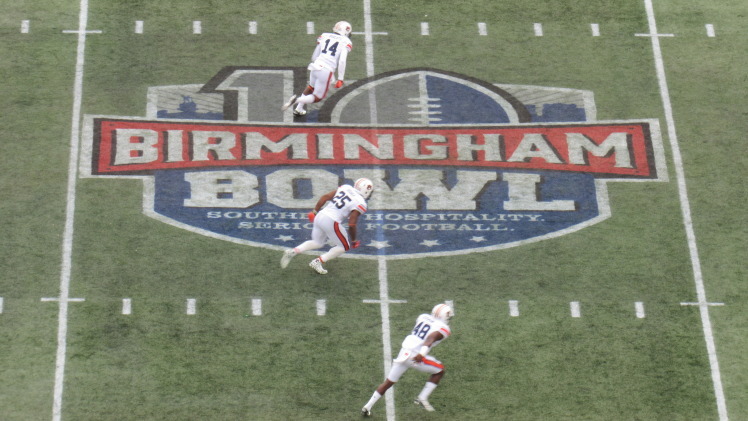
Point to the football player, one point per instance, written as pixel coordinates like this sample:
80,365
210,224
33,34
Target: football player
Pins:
346,202
428,332
331,53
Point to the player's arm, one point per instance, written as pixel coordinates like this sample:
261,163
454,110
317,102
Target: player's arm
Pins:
352,221
341,67
433,337
317,51
324,199
321,202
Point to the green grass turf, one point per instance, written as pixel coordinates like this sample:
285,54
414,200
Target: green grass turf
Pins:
159,363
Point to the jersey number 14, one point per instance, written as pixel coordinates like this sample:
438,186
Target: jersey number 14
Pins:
332,49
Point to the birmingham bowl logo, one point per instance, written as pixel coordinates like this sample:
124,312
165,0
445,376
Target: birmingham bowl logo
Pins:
459,165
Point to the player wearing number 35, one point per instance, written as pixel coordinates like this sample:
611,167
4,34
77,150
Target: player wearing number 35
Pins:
331,53
429,330
346,202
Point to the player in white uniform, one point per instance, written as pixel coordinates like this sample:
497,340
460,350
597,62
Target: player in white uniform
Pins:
429,331
331,53
346,202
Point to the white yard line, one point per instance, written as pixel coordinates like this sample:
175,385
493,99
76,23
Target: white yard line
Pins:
384,299
703,304
384,307
67,241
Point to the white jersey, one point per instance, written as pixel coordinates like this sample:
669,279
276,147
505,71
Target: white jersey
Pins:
346,200
331,52
425,325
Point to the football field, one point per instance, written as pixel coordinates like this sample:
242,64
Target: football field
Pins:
569,175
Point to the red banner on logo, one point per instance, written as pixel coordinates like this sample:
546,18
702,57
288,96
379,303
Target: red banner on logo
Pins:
136,146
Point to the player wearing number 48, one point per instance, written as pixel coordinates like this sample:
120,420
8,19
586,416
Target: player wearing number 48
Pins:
331,210
429,330
331,53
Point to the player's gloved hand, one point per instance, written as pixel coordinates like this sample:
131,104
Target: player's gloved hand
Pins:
311,215
356,244
339,84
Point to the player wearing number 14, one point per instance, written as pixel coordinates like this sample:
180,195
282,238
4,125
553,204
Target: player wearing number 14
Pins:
330,212
330,54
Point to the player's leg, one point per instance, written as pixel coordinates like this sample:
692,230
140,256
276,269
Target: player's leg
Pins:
293,100
319,238
339,235
324,228
320,83
394,375
436,368
332,253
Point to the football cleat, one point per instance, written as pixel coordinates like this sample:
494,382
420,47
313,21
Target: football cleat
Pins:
291,101
316,264
364,186
287,256
442,312
365,412
342,28
299,112
424,403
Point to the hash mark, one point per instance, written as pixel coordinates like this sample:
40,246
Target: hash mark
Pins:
126,306
482,29
191,306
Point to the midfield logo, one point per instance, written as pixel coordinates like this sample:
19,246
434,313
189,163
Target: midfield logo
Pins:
459,165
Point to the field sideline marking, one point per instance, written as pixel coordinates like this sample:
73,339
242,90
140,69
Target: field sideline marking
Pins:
67,240
703,304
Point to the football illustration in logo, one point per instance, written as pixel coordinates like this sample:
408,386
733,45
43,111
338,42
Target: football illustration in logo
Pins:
459,165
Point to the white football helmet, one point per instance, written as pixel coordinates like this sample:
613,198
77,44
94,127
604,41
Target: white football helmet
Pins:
364,186
342,28
442,312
